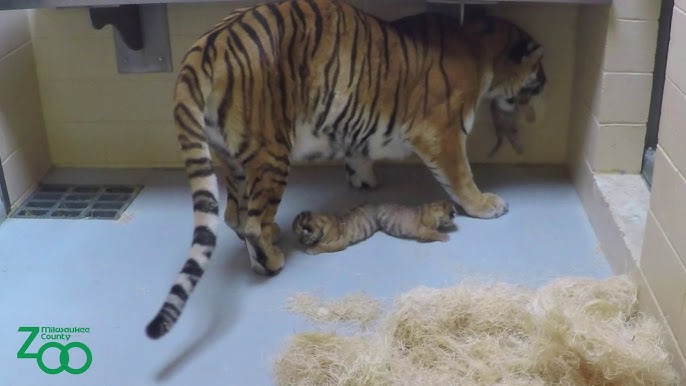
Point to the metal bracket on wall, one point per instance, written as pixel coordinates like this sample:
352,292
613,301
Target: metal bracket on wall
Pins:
450,8
141,38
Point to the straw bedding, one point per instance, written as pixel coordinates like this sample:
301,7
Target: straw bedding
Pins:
357,308
573,331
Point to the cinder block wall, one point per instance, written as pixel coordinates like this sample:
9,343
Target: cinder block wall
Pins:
23,144
613,82
663,260
613,78
97,117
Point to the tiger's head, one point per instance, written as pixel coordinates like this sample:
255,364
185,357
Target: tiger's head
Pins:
311,227
439,215
516,58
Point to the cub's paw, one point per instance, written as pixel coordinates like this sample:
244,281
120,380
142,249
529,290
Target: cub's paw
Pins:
314,250
442,237
488,205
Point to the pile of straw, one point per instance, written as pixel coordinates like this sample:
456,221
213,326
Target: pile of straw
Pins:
570,332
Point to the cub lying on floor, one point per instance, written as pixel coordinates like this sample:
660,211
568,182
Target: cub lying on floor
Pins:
325,232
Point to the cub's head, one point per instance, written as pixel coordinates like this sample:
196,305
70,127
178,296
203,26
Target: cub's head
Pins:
310,227
517,68
439,215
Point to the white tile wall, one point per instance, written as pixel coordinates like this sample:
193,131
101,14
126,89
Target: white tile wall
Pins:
672,135
618,148
610,137
630,45
664,271
664,253
636,9
24,167
23,147
668,190
14,31
676,59
624,98
681,4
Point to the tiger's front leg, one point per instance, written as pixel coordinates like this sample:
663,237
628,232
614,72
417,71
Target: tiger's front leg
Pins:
360,173
441,145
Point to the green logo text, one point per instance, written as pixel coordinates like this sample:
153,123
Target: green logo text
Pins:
52,334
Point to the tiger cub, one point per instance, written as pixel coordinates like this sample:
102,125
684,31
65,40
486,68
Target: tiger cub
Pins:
319,80
505,113
325,232
505,117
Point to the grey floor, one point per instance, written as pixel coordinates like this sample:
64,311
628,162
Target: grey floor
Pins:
112,276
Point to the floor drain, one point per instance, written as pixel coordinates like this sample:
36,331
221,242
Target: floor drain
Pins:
101,202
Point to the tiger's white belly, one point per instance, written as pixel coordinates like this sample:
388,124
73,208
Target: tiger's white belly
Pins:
307,147
397,148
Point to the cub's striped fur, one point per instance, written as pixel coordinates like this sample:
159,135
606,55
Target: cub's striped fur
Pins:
326,232
319,79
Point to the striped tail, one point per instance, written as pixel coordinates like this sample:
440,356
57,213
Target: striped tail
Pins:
189,120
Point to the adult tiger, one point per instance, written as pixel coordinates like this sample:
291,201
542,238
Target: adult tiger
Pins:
320,79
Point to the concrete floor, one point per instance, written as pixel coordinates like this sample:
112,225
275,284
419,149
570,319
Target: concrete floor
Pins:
112,276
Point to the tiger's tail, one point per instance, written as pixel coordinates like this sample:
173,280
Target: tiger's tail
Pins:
192,88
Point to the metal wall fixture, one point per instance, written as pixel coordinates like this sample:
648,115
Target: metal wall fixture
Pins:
141,36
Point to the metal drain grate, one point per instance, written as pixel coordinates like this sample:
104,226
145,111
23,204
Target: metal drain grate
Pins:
100,202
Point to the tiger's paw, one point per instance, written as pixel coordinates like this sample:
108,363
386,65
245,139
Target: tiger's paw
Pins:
361,174
276,233
265,262
488,205
366,179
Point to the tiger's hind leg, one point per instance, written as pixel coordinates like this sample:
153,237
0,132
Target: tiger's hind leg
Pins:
266,181
360,173
236,202
237,205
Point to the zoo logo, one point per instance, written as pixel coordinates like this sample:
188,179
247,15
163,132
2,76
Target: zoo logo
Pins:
64,350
